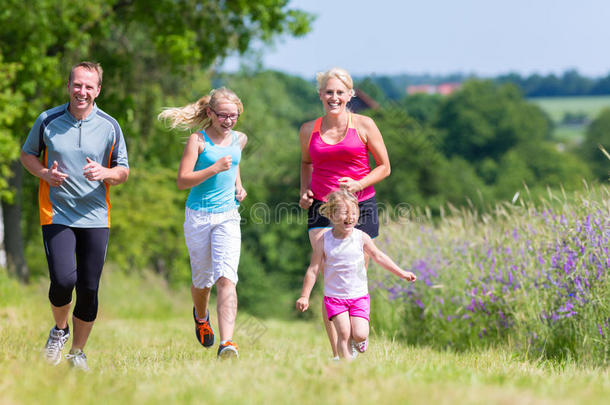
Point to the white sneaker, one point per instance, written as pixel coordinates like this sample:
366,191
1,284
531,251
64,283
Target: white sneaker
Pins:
55,344
77,359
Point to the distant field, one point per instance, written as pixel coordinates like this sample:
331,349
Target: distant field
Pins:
572,135
556,107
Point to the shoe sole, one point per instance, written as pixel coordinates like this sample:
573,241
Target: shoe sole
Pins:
84,369
51,361
228,354
78,364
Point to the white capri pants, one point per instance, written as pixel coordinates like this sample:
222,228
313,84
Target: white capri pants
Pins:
214,242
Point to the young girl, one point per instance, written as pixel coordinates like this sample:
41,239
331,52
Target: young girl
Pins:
341,251
210,168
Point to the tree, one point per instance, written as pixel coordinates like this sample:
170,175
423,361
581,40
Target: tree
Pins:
538,165
413,155
11,105
391,90
597,134
601,86
573,84
504,137
147,49
421,175
422,107
372,89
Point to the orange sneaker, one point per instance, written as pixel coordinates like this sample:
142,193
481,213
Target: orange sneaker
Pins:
228,350
203,330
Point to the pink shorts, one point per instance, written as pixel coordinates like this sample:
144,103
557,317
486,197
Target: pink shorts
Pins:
360,307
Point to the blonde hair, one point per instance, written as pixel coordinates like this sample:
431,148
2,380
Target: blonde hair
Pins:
334,199
194,115
337,73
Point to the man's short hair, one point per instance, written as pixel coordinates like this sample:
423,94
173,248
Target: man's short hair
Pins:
95,67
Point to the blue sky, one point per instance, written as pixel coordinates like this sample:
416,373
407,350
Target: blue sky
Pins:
484,37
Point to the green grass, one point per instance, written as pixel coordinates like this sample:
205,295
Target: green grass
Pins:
142,350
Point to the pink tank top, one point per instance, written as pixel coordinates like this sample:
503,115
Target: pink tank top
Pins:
347,158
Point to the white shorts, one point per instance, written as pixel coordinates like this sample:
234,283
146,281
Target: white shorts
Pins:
214,242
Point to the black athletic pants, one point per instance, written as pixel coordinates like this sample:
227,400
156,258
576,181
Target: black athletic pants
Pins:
76,257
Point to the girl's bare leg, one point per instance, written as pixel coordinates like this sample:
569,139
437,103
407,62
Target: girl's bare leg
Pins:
314,234
343,327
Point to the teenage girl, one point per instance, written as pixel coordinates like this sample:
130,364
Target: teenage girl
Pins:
210,168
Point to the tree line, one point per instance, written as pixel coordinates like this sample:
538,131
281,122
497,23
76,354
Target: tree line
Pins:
569,83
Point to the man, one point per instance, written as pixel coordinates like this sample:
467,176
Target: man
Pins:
83,153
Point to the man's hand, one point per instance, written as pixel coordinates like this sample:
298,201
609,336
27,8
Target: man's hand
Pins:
54,177
94,171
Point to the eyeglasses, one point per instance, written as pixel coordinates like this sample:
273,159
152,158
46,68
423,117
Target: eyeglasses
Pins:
224,117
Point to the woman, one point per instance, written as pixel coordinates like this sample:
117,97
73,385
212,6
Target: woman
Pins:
210,168
335,154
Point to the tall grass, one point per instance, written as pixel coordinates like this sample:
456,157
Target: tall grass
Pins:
532,276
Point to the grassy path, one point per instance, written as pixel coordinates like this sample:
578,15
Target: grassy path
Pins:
143,351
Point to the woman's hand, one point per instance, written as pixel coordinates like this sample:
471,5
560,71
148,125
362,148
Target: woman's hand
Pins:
349,184
306,199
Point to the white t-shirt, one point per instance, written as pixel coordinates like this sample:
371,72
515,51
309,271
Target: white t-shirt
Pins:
344,271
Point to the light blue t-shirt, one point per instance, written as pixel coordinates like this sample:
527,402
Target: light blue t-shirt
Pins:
58,136
216,194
